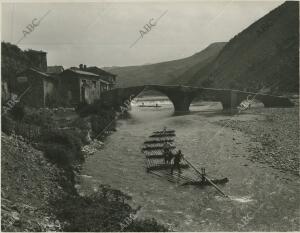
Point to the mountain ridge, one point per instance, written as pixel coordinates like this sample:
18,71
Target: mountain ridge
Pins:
263,55
163,72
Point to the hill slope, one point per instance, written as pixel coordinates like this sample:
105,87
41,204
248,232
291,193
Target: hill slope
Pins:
165,72
264,54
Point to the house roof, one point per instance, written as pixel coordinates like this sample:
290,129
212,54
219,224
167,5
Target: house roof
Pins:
99,71
55,69
40,72
35,71
86,73
81,72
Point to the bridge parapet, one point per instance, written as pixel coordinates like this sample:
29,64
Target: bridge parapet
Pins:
182,96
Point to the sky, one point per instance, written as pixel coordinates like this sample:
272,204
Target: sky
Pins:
109,33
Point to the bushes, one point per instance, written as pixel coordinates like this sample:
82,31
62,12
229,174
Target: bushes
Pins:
58,154
105,210
97,108
40,118
145,225
61,147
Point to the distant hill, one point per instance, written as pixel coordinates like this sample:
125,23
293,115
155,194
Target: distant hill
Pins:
264,54
164,72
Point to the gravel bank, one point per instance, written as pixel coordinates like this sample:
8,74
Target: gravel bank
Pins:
277,132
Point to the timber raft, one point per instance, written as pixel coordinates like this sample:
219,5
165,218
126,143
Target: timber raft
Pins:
153,150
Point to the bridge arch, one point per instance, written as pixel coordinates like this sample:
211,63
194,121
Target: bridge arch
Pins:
182,96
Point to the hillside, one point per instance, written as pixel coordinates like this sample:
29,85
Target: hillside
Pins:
164,72
264,54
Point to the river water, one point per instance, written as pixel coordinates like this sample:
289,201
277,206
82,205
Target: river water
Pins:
261,198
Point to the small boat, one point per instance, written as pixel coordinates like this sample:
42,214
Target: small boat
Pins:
149,106
205,182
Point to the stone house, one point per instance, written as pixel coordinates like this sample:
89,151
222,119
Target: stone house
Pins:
79,86
42,87
106,76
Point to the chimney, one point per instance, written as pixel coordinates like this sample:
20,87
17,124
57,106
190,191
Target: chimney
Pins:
81,67
84,67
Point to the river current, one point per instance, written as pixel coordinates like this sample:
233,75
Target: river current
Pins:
261,198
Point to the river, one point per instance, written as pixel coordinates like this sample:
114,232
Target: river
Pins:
261,198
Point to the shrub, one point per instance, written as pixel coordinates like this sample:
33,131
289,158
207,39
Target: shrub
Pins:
58,154
94,213
41,118
70,140
145,225
104,210
97,108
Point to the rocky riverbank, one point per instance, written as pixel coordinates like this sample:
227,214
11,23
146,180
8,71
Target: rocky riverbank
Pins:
277,131
29,181
39,176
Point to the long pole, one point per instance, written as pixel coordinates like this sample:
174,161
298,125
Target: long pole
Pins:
212,183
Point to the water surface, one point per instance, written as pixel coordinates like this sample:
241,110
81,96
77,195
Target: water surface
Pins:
261,198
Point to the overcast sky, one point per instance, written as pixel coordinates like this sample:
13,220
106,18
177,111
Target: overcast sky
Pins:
101,33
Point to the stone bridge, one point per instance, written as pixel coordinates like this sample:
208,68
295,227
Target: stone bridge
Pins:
182,96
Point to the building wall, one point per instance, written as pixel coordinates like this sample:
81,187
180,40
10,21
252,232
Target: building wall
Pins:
89,90
35,96
70,90
49,89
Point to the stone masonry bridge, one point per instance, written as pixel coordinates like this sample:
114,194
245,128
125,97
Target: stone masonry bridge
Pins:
182,96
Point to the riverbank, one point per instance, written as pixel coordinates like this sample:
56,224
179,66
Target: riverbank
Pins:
39,175
277,132
28,181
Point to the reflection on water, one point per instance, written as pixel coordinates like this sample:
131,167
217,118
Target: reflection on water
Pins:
255,190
